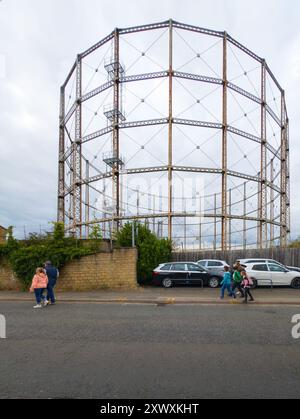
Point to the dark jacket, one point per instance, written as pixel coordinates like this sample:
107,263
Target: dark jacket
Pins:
51,272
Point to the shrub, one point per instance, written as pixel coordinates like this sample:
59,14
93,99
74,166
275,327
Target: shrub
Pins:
151,250
25,257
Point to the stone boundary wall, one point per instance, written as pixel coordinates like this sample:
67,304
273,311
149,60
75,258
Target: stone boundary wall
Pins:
106,270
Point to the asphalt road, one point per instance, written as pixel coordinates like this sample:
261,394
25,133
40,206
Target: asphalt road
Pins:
148,351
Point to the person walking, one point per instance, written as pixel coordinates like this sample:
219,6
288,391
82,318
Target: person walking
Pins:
247,285
38,285
53,274
226,284
237,281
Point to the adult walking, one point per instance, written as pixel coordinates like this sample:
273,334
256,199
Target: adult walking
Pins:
247,285
38,285
226,284
237,281
52,274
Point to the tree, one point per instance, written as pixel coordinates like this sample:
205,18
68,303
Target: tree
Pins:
151,250
295,243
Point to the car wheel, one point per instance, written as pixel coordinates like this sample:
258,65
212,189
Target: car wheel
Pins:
213,282
254,284
167,283
296,283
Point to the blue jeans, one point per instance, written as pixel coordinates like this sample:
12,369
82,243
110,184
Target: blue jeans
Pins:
39,295
50,290
228,287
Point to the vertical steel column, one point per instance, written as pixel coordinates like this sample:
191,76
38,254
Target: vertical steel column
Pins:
224,148
61,161
263,161
283,180
200,222
215,222
245,215
77,157
230,220
288,191
115,122
87,199
272,203
153,221
170,134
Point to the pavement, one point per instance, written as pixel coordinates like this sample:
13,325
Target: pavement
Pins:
157,295
127,351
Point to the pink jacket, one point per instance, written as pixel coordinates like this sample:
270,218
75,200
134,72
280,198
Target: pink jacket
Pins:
39,281
246,282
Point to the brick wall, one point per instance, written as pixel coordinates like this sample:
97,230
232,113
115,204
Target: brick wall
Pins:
116,269
3,233
101,271
8,280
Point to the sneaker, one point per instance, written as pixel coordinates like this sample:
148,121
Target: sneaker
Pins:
38,306
45,303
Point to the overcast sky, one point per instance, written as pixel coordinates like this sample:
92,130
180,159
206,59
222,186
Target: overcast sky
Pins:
38,44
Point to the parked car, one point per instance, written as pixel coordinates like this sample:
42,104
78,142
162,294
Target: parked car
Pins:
186,273
246,262
216,266
271,273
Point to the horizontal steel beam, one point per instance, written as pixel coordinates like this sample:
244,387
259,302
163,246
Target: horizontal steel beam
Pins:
244,93
195,123
98,45
145,123
142,28
196,77
193,28
175,215
244,49
97,134
273,115
69,114
251,137
97,91
70,75
274,79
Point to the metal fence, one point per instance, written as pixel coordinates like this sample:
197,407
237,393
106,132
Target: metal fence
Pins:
287,256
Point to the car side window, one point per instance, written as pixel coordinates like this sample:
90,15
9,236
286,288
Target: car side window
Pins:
178,267
202,263
276,268
166,267
260,268
194,268
212,263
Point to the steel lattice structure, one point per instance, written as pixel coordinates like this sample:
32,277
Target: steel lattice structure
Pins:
249,137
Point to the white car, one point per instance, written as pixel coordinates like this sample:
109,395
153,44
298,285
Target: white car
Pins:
250,261
212,265
272,274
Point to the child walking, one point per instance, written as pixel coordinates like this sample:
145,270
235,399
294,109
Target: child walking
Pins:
226,284
247,284
39,284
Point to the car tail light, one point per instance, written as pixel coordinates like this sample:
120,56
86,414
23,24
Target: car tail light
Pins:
154,273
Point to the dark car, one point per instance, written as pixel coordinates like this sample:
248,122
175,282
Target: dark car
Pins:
184,273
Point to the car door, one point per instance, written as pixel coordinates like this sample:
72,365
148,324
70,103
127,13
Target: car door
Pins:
262,274
196,274
280,275
215,267
179,273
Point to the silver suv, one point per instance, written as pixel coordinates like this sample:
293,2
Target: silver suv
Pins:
212,265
